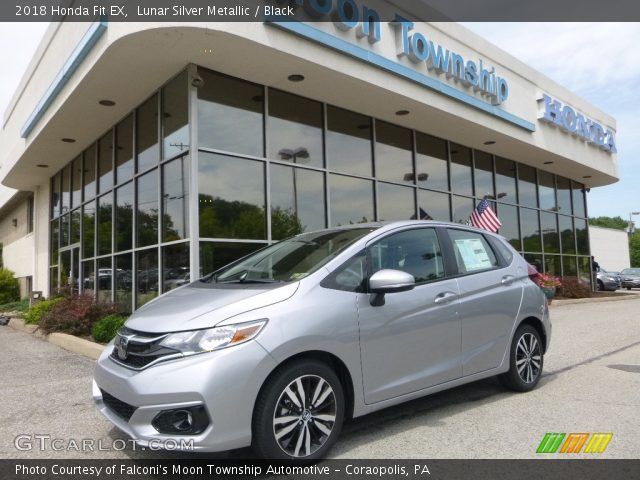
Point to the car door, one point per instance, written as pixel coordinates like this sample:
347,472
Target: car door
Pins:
412,340
491,291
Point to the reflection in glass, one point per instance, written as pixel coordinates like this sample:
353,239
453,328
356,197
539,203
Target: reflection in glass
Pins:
76,182
527,186
564,195
433,206
216,255
535,260
175,200
394,146
55,241
88,229
579,209
124,150
64,230
88,277
123,282
105,206
351,200
66,189
584,269
462,208
567,234
461,177
147,149
175,259
395,202
124,217
431,162
65,268
569,266
530,225
483,174
89,159
105,162
297,201
553,265
508,215
294,129
582,238
547,191
104,278
506,179
56,196
175,116
53,279
231,197
230,114
550,237
147,276
147,214
349,142
75,226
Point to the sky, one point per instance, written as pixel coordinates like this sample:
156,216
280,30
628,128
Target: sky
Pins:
598,61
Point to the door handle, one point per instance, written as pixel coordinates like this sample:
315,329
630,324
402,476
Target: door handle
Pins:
507,280
445,297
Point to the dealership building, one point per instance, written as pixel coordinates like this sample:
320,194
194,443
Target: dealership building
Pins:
145,153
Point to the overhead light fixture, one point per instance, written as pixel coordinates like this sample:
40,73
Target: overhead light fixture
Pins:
548,163
107,103
402,113
296,77
490,142
68,140
42,165
587,176
14,222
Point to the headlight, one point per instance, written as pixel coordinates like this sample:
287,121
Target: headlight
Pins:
610,278
200,341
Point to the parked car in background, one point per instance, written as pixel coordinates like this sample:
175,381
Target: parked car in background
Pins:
610,281
277,349
630,278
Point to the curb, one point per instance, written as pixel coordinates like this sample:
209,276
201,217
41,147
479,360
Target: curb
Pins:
594,300
73,344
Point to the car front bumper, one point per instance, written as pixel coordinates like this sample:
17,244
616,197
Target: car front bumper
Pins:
225,382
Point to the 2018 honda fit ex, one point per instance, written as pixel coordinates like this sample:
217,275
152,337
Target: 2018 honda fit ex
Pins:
278,348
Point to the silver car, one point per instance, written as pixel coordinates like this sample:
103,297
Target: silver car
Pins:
278,349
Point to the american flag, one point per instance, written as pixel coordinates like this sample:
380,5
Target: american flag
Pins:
483,217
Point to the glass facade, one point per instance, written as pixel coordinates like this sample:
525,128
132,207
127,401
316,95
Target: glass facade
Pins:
268,165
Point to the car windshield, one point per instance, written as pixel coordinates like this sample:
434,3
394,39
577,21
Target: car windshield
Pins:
631,271
289,260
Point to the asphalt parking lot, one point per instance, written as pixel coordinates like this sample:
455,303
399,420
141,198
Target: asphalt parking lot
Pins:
591,384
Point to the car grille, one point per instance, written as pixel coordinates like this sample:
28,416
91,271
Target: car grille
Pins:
120,408
140,350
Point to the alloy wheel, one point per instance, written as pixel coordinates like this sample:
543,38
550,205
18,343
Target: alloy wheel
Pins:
528,358
304,416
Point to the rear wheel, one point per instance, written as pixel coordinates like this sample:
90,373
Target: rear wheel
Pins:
600,286
525,359
299,412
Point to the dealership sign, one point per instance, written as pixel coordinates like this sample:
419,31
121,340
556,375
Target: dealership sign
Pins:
414,45
569,120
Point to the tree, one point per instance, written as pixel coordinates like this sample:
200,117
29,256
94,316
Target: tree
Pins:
617,223
634,249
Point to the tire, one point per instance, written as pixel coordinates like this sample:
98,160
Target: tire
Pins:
600,286
628,288
284,428
525,369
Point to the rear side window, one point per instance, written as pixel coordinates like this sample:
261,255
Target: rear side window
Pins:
413,251
472,251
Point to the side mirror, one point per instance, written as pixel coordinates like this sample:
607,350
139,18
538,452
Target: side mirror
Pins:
391,281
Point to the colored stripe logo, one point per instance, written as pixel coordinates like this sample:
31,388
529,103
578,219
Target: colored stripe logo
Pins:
553,442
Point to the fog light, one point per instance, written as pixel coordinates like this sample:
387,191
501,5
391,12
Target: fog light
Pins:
182,421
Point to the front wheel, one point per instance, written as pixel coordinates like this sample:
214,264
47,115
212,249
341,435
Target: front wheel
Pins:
299,412
525,359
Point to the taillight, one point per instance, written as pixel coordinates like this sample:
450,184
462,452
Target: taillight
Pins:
532,272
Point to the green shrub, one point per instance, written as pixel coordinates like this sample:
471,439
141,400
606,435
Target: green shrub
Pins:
75,315
20,306
34,314
9,287
106,328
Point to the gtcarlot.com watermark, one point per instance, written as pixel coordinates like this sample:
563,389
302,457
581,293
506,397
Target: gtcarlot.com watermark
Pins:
43,442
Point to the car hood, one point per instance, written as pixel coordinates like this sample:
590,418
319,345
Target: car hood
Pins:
201,305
